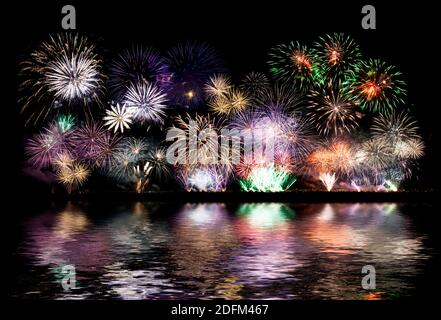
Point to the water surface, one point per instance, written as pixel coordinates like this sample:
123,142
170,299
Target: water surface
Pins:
230,251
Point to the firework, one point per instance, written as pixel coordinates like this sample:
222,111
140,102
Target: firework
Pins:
271,128
203,178
276,124
148,103
332,112
255,84
328,180
89,140
106,156
336,158
119,117
42,149
375,154
63,160
293,63
217,86
267,179
134,153
138,148
393,177
377,86
73,175
137,65
65,122
142,176
191,64
336,54
394,127
198,140
232,102
161,169
63,71
400,131
290,131
412,148
131,153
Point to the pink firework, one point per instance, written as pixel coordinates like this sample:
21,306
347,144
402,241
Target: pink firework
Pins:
43,148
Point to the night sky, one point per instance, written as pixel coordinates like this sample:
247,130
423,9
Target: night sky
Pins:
244,33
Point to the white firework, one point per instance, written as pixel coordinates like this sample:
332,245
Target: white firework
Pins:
148,102
217,86
328,180
72,77
119,117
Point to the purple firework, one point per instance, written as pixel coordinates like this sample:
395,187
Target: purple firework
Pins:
136,65
44,147
191,64
89,140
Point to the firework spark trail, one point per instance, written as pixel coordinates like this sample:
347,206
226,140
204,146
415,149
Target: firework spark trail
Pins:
43,148
147,102
336,54
209,178
255,84
308,123
230,103
332,112
294,63
73,176
142,176
377,86
217,86
118,117
89,140
199,139
63,71
137,65
328,180
267,179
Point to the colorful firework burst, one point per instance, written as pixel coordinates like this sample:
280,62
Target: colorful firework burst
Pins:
43,148
336,54
137,65
332,112
65,122
89,139
202,178
191,64
294,63
334,156
148,103
119,117
377,86
267,179
290,132
65,70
